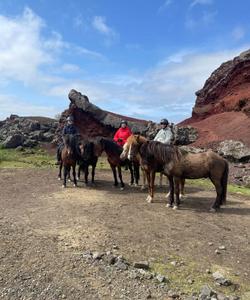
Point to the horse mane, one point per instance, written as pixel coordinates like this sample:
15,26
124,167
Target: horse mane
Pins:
136,139
70,141
111,146
163,153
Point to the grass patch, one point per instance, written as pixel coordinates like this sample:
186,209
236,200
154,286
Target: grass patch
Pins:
206,183
179,277
28,158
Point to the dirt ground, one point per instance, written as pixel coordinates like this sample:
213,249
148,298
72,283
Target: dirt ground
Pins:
45,230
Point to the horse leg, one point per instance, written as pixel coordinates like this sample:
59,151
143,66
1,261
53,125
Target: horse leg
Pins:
131,169
151,186
114,174
177,192
182,184
74,174
60,172
171,191
143,179
217,202
136,173
79,172
65,173
160,180
86,173
93,173
120,176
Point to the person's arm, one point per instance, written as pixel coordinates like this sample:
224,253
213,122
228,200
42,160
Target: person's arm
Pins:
116,136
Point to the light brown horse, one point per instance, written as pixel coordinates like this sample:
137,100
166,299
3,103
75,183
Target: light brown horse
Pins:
177,165
126,153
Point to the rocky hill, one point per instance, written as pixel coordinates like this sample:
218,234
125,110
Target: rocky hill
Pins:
222,107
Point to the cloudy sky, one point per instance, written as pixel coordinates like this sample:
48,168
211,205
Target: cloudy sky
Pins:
139,58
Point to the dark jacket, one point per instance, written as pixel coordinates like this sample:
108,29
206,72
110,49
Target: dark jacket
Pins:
69,129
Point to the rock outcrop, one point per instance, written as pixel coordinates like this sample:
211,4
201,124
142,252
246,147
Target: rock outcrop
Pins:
222,107
26,131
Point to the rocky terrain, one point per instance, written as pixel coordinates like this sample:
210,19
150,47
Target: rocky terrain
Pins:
18,131
222,107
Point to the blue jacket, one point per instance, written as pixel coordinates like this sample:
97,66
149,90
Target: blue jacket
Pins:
69,129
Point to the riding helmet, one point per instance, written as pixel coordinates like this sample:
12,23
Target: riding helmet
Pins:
124,122
164,121
70,119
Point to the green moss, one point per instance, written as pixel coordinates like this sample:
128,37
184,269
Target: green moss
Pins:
29,158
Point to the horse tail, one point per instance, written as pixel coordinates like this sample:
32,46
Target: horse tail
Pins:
224,180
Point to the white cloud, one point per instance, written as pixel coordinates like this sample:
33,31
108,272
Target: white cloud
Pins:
24,51
200,2
99,24
70,68
167,90
164,5
10,104
238,33
206,19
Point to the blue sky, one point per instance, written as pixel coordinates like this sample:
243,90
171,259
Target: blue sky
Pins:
144,59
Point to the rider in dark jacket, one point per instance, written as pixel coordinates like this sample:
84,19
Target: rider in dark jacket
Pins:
69,128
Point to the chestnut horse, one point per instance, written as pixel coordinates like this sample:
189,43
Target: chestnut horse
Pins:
126,153
177,165
113,152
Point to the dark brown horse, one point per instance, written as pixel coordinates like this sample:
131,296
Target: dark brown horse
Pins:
87,158
178,164
69,157
113,152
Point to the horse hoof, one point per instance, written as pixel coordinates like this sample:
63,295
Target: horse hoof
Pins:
63,186
59,178
130,184
69,180
212,210
182,196
77,178
143,188
149,199
175,207
122,188
74,185
168,205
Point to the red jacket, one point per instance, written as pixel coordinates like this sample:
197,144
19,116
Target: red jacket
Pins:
122,135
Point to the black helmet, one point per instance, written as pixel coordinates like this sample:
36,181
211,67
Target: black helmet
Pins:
70,119
164,121
124,122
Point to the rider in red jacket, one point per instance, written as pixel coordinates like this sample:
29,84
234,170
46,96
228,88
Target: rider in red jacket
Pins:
122,133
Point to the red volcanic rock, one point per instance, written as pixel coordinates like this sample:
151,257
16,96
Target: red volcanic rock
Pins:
222,107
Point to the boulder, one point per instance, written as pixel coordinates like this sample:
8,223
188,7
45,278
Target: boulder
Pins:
186,135
234,151
13,141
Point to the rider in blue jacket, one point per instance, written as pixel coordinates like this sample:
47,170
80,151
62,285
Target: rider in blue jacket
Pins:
69,128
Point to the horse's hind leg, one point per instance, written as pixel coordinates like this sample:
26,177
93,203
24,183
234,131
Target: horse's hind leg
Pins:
120,176
114,174
93,173
74,175
79,172
86,174
151,185
60,172
217,202
177,192
171,191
